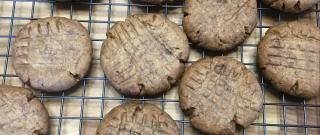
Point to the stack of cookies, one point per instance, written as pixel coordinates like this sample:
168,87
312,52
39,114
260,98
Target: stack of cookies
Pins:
145,55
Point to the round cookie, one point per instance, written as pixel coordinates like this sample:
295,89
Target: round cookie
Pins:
291,6
21,113
52,54
218,93
156,1
135,119
289,56
219,25
144,55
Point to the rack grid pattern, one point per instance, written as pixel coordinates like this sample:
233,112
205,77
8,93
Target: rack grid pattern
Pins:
110,5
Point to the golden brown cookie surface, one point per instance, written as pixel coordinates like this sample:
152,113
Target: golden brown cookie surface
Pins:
136,119
52,54
21,113
144,55
289,56
291,6
219,25
218,93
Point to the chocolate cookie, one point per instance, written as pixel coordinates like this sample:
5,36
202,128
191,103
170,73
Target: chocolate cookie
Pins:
289,56
291,6
144,55
156,1
219,25
52,54
218,93
21,113
135,119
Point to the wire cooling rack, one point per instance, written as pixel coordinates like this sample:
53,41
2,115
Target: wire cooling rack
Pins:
80,110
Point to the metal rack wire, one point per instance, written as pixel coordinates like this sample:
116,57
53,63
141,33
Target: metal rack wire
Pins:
110,4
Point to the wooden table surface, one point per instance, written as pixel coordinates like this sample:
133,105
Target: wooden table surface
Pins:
79,110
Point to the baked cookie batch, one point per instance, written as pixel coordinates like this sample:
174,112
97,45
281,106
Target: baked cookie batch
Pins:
145,55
